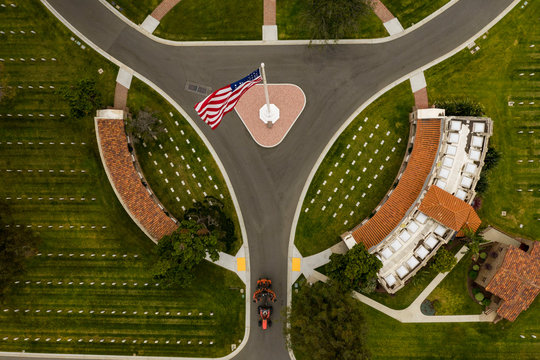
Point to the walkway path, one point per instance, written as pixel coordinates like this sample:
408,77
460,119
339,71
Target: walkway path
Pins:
123,83
152,21
390,22
412,313
269,30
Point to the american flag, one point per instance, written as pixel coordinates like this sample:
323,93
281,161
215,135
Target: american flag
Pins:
217,104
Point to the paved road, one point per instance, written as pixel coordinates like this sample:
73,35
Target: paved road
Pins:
336,81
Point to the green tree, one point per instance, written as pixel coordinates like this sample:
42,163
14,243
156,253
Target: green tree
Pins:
209,212
354,269
443,261
325,323
474,240
144,125
179,253
334,19
83,98
17,245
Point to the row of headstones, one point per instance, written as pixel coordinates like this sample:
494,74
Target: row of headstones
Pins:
78,42
83,254
91,283
42,170
187,166
347,172
24,59
2,32
91,340
48,198
529,132
41,143
529,190
529,161
105,312
30,87
530,74
93,227
512,103
6,5
32,115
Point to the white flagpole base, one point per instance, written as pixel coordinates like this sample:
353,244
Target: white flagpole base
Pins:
269,117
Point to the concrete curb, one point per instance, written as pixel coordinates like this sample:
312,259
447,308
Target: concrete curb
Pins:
273,42
216,158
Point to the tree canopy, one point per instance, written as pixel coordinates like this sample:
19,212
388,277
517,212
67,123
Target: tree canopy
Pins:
17,244
179,253
443,261
326,323
356,268
210,213
144,125
83,98
334,19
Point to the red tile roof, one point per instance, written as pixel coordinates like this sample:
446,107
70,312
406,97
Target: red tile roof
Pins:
517,281
392,212
449,210
127,184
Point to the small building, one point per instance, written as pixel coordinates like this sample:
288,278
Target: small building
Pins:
429,202
513,275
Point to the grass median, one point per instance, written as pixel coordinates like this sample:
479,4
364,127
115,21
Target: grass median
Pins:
90,289
356,173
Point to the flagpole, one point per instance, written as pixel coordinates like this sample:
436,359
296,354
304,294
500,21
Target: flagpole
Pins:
265,90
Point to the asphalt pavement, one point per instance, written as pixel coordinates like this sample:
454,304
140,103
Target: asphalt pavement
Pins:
336,79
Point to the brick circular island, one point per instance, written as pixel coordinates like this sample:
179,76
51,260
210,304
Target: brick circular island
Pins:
290,100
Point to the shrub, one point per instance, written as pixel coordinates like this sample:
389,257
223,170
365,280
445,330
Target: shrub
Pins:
443,261
475,291
476,267
460,107
83,98
486,302
483,255
479,296
492,158
355,268
473,274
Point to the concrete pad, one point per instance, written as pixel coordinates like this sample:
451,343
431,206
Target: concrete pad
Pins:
393,26
418,82
296,264
124,78
150,24
290,100
269,32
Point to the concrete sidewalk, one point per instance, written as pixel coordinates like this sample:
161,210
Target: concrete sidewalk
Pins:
412,313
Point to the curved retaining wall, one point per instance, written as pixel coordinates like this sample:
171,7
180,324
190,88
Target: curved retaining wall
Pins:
126,182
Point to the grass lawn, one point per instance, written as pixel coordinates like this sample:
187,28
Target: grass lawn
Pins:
452,292
506,68
137,10
93,272
356,173
290,18
387,338
215,20
405,296
410,12
193,174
